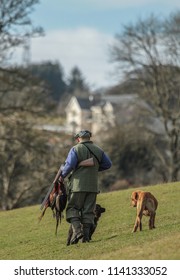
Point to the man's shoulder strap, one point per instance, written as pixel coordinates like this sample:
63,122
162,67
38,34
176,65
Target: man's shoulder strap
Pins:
91,152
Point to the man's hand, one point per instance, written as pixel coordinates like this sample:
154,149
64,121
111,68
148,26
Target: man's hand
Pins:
61,179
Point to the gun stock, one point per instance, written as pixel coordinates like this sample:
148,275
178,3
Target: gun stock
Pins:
87,162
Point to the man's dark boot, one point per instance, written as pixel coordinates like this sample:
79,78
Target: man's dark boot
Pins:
77,230
86,233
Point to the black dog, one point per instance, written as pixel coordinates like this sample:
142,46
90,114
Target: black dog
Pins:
98,211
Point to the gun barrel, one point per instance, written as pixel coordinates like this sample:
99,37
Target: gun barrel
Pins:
46,197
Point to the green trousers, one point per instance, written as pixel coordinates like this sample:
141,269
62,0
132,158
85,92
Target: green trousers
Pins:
81,205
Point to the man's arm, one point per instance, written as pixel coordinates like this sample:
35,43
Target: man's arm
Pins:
105,162
70,163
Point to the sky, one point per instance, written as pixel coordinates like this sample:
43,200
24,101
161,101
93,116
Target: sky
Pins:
81,32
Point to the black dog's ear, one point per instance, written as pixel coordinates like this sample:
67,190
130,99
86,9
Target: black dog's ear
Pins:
99,209
98,206
103,209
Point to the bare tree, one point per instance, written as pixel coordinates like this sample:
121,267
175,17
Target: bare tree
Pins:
149,52
15,25
23,150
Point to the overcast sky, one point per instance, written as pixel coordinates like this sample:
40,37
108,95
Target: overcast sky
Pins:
79,32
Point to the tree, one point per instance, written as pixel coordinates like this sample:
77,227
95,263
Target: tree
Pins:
24,151
53,76
130,149
15,25
149,53
76,81
21,146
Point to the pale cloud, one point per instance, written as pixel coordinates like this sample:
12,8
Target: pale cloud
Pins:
84,47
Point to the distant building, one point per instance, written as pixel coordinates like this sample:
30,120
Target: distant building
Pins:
78,114
99,114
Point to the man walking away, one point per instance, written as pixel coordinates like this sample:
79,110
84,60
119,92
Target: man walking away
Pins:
83,163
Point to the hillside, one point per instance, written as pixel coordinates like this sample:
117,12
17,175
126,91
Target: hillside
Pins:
22,237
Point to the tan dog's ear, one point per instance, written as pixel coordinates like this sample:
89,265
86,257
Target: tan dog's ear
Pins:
134,195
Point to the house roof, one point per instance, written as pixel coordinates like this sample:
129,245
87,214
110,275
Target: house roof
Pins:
84,103
115,100
120,99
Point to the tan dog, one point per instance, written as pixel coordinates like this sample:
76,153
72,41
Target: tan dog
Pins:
146,205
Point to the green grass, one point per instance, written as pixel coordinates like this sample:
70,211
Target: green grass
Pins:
22,237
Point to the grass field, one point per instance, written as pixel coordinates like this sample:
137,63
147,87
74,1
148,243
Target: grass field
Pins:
22,237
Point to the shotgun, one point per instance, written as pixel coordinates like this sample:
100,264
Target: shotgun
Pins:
51,187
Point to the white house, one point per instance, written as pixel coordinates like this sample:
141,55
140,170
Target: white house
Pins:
78,114
100,115
96,114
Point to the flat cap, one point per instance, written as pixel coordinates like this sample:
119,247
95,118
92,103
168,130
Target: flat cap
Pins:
83,134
